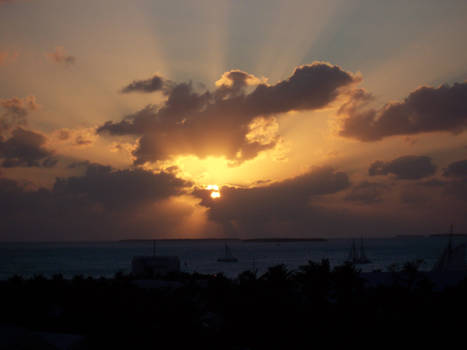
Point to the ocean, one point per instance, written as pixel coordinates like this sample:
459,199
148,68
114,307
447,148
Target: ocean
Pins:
105,259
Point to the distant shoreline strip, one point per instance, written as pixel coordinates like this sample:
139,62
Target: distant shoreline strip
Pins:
251,240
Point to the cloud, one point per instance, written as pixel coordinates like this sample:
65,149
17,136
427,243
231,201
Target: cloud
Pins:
234,83
116,188
217,123
456,169
426,109
457,188
15,111
156,83
82,141
9,1
457,173
286,205
63,134
405,168
20,147
7,57
103,203
453,186
367,192
60,56
25,148
74,137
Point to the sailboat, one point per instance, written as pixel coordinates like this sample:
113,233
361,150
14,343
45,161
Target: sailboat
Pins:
228,257
452,258
363,258
357,257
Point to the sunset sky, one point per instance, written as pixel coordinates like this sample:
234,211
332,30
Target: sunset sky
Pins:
189,119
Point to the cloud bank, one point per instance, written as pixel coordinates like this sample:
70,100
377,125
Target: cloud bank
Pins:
456,172
103,203
367,192
156,83
426,109
405,168
456,169
218,123
287,207
16,111
25,148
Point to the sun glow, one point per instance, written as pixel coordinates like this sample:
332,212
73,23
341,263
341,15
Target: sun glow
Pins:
215,194
215,191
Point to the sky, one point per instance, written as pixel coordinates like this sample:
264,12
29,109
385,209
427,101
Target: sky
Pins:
240,119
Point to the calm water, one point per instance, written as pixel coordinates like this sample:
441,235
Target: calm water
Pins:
106,258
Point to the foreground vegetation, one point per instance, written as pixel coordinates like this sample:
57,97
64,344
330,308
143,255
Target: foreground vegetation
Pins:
279,309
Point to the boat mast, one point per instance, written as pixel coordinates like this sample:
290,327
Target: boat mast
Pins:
363,255
450,250
353,253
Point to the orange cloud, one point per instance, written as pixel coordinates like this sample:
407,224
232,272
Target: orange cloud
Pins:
7,57
74,137
15,111
239,78
231,121
60,56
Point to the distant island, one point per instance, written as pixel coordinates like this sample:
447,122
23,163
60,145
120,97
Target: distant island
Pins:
409,236
253,240
449,234
177,240
284,240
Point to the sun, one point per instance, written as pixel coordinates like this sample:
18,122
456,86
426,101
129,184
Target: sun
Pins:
215,191
215,194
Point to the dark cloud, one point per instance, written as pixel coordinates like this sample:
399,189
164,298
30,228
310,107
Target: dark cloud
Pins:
456,169
286,205
456,172
318,204
25,148
432,183
64,134
406,167
457,188
75,137
15,111
103,203
117,188
234,82
453,186
79,164
426,109
367,192
81,140
60,56
218,123
156,83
